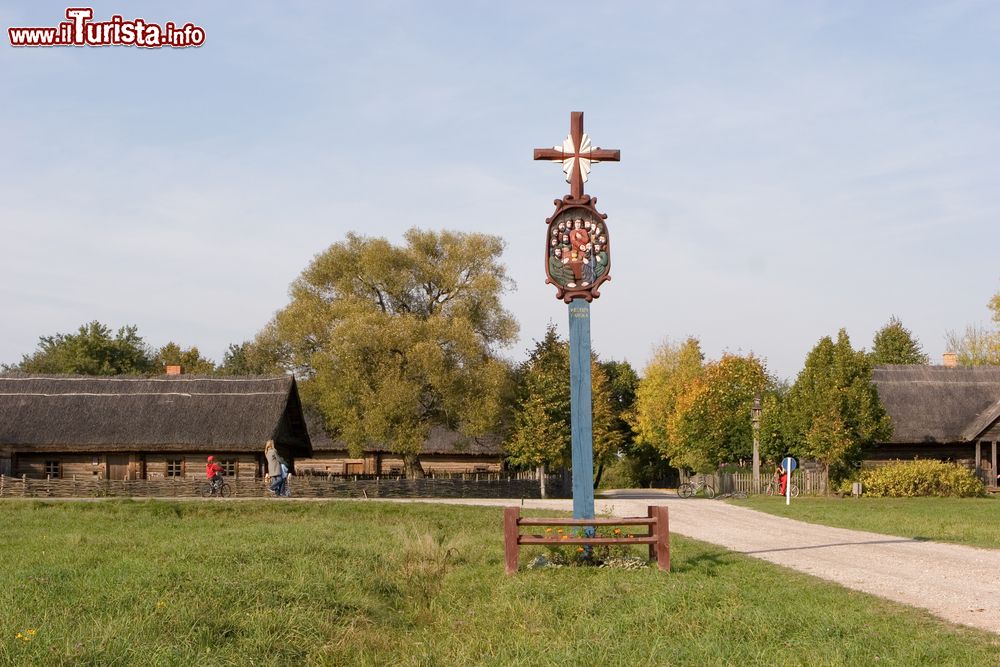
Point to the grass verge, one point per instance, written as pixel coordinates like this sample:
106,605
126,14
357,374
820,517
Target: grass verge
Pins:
971,521
353,583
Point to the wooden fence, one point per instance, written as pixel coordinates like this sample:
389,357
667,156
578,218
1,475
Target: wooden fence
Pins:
809,481
305,486
657,537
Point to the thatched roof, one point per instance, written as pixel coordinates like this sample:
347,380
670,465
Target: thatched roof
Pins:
440,441
169,413
937,403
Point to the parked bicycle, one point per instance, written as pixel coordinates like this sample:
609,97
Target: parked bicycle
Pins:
689,490
736,495
220,489
774,489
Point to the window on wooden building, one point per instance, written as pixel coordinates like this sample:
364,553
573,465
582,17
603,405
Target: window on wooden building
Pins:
175,468
52,469
228,467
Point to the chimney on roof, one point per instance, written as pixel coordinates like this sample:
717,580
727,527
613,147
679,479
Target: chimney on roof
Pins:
949,360
174,369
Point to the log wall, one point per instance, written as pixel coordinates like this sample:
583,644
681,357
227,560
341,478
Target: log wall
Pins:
140,466
339,463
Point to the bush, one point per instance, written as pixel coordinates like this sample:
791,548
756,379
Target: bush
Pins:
907,479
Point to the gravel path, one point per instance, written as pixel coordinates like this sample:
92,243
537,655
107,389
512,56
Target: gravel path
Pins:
957,583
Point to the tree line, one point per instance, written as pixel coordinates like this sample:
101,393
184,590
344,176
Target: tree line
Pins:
389,341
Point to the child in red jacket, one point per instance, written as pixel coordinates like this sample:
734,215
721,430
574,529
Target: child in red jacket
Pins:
213,471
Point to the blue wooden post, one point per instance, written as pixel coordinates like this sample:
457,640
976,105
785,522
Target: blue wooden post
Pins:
580,412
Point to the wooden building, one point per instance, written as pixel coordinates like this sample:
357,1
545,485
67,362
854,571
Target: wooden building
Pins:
445,452
941,412
146,428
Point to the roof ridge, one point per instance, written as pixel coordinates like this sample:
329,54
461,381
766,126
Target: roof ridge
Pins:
149,393
107,378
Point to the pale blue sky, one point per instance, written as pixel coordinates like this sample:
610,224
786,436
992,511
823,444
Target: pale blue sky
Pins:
788,168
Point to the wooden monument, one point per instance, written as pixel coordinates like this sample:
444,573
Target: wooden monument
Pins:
577,262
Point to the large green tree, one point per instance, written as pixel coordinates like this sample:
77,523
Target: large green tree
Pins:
93,350
895,344
622,385
393,340
250,358
541,434
832,410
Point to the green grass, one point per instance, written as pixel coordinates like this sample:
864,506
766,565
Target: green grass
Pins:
345,583
972,521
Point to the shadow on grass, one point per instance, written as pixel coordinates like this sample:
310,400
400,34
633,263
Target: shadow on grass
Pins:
707,563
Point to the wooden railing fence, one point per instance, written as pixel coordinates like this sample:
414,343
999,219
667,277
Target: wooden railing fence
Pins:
304,486
658,537
809,481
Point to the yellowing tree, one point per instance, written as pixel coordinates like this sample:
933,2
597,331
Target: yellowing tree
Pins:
665,378
978,345
711,422
391,341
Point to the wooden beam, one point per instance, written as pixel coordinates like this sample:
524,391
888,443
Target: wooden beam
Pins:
995,472
628,521
662,536
632,539
510,538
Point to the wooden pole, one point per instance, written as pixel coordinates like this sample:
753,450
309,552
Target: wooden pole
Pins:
755,421
995,471
581,417
662,531
510,531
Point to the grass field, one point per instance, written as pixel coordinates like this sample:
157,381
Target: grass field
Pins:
345,583
972,521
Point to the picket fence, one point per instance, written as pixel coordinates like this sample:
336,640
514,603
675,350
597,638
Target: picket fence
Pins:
810,481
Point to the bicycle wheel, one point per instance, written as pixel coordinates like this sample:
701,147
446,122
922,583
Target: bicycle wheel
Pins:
770,489
685,490
225,490
206,491
709,491
795,490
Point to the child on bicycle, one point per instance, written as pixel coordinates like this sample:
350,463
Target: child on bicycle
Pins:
213,471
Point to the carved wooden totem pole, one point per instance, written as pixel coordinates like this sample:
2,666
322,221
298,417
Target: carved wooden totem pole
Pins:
577,262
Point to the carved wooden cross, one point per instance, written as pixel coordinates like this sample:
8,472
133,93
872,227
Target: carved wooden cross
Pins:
576,154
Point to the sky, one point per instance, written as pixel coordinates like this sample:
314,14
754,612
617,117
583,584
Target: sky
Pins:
787,168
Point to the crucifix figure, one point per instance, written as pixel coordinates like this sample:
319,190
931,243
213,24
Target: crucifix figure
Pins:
576,155
577,261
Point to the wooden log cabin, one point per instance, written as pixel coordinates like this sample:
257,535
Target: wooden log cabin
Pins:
941,412
146,428
444,452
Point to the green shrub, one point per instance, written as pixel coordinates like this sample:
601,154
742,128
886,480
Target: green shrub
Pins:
846,486
906,479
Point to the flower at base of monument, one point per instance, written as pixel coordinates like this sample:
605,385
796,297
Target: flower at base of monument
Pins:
564,537
618,531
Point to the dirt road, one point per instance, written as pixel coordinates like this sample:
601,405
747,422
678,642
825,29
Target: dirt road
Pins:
958,583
